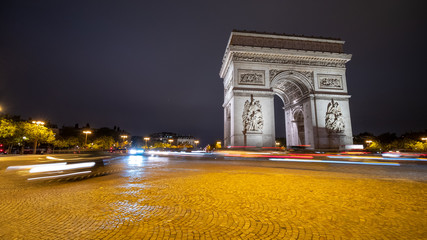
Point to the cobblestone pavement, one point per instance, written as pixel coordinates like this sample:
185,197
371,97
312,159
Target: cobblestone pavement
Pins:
159,198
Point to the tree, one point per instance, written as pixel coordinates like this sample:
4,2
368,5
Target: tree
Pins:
374,146
8,128
37,133
8,132
69,142
104,142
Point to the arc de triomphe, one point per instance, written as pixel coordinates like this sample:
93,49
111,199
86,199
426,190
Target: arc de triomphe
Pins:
307,73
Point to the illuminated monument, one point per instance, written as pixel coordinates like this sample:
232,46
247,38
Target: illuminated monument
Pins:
307,73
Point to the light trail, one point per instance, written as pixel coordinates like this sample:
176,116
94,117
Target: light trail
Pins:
339,162
44,168
57,176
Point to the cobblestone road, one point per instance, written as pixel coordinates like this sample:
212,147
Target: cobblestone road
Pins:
158,198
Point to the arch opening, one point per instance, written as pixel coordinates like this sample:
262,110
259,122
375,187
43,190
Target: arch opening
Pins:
300,128
292,91
279,121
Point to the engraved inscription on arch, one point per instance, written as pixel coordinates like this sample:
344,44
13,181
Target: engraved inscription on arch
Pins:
251,77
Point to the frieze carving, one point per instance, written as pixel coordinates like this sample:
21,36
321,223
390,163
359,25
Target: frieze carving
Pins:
308,74
330,81
252,116
289,60
334,122
251,77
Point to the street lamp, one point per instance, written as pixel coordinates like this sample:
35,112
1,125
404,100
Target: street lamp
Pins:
196,142
86,132
368,143
38,123
170,141
424,139
146,140
124,137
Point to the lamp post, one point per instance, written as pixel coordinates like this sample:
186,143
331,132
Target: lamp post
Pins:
170,141
86,132
124,137
38,123
196,142
146,141
368,143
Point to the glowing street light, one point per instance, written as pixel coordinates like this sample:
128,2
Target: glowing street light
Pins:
170,141
368,141
146,140
38,123
196,142
424,139
86,132
124,137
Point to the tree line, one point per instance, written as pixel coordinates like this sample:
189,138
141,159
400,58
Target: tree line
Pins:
411,141
18,134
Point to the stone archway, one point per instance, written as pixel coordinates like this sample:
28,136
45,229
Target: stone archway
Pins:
308,74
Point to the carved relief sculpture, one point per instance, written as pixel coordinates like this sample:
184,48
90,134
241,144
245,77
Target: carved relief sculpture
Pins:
251,77
330,81
334,121
252,116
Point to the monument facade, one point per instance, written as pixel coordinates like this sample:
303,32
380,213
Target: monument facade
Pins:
307,73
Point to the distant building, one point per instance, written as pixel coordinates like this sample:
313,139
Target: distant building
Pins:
185,140
164,137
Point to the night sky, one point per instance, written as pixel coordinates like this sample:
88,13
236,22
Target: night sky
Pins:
152,66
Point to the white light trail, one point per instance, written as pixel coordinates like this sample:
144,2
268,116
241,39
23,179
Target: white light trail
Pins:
44,168
339,162
33,166
61,175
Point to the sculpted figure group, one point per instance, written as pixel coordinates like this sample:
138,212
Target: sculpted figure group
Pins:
334,121
252,116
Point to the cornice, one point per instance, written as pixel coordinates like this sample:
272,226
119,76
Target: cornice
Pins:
286,57
285,36
290,52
